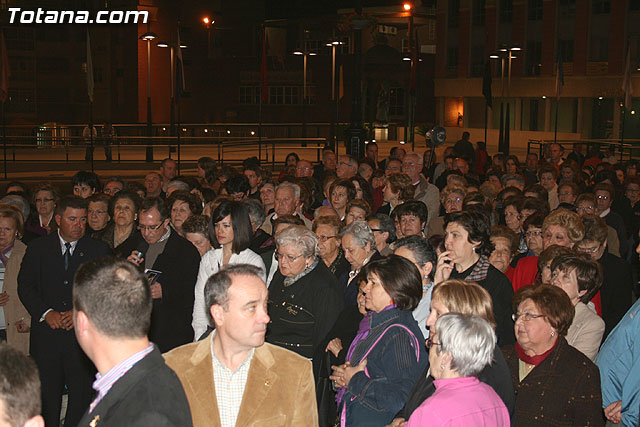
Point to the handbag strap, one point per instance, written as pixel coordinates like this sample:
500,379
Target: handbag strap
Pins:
414,341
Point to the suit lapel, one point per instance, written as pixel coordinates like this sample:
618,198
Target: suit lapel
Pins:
260,381
199,378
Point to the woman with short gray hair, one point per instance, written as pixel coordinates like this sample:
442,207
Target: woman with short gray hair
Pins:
359,246
304,297
459,349
260,240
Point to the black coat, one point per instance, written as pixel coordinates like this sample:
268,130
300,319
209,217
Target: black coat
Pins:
172,314
501,291
149,394
497,375
616,290
303,312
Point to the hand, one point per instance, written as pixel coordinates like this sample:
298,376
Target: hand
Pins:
397,422
613,412
342,374
444,267
54,319
156,291
334,346
67,319
22,326
350,371
338,375
135,259
4,299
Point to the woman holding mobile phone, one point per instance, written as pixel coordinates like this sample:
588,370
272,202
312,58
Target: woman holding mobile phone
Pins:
466,257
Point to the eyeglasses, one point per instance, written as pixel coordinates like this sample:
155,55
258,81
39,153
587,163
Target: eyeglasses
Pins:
602,197
585,208
526,316
534,233
449,201
289,258
44,200
377,230
588,250
149,227
431,344
97,212
325,238
344,164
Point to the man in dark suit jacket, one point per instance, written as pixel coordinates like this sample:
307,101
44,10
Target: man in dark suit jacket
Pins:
44,287
112,302
160,248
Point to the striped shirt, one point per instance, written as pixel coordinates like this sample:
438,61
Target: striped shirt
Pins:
229,387
103,383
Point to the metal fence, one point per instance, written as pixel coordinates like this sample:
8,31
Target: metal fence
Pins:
624,150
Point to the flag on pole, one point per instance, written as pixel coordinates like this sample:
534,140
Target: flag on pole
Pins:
627,88
89,69
559,74
486,84
180,85
264,81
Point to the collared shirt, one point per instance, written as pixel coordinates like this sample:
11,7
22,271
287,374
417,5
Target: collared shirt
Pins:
63,245
42,223
4,258
229,387
103,383
605,212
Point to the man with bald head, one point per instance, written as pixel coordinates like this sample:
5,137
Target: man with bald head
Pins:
425,191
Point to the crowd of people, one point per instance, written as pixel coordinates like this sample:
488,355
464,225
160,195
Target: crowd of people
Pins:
474,291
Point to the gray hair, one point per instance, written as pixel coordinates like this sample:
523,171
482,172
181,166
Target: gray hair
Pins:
421,249
469,339
180,185
418,156
216,290
19,202
511,177
299,236
362,234
292,186
256,211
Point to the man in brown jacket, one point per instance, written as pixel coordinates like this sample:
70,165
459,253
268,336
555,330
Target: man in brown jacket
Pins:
234,378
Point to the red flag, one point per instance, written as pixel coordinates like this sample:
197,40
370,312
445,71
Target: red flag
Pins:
264,83
5,70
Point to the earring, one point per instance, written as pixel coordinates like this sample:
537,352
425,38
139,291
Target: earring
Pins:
553,334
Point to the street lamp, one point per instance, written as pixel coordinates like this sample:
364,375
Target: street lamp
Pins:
304,53
173,46
333,44
505,53
207,23
148,37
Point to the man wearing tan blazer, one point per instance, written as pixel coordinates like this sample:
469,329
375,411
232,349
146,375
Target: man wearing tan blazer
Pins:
260,384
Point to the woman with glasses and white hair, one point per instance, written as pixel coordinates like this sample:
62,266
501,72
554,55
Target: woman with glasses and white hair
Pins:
304,297
231,232
459,349
359,246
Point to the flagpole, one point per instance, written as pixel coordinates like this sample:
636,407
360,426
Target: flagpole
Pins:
4,142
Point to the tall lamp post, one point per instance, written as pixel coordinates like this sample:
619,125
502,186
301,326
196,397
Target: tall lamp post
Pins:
172,45
148,37
333,44
505,54
304,53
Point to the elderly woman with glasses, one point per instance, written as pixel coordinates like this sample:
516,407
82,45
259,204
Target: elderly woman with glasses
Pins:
387,355
580,277
359,246
554,382
42,222
304,297
451,198
230,230
461,346
328,229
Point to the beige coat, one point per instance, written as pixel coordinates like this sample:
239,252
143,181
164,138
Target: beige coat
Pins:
14,310
585,333
280,389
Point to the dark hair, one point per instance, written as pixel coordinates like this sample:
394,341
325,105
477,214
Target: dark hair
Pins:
20,184
400,278
19,386
84,177
216,290
508,192
547,169
135,199
367,191
286,219
73,202
413,207
157,203
237,184
595,229
533,220
99,198
553,302
506,233
347,184
540,192
207,164
386,225
134,187
512,201
195,205
605,186
115,179
588,272
294,155
534,204
477,225
242,232
116,297
45,187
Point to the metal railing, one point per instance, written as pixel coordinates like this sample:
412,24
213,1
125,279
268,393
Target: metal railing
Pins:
627,150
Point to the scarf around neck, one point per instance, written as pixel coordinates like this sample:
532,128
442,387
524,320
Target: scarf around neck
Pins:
533,360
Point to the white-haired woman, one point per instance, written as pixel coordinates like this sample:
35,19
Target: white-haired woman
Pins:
304,297
459,348
359,246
